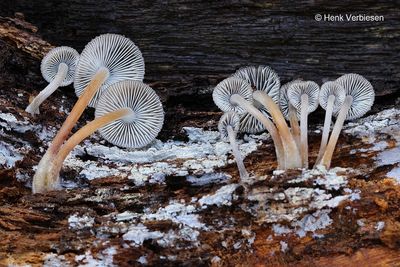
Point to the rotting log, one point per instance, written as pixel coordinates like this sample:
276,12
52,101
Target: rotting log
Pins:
189,46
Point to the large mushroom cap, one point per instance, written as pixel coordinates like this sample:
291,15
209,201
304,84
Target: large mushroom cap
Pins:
262,78
56,56
228,119
362,92
143,125
335,89
284,100
296,90
230,86
117,53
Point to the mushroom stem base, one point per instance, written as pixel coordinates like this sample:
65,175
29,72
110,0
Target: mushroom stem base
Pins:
330,148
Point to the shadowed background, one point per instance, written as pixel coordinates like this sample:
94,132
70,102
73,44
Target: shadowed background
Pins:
189,46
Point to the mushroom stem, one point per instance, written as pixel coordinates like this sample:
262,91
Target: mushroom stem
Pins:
80,135
292,155
40,182
327,126
303,130
280,153
33,107
294,124
330,148
244,175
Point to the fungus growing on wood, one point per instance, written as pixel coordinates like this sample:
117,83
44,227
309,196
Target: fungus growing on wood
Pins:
228,127
331,98
359,99
289,112
235,94
57,67
105,60
260,78
304,97
265,82
118,54
129,114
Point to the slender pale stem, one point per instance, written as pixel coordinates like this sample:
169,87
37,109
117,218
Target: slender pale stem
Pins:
244,175
327,127
330,148
33,107
280,153
40,182
80,135
294,124
292,154
303,130
98,79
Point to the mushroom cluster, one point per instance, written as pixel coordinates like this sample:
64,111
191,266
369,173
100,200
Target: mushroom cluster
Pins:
254,95
107,76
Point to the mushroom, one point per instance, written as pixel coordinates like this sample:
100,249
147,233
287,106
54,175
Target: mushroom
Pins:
266,83
359,99
57,67
260,78
304,97
118,54
129,114
228,127
331,98
289,112
235,94
105,60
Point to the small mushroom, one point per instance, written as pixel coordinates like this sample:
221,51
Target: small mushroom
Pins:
57,67
118,54
260,78
359,99
266,83
228,127
128,114
289,112
235,94
331,98
106,59
304,97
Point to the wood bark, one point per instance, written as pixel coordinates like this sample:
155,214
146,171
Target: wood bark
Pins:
34,226
189,46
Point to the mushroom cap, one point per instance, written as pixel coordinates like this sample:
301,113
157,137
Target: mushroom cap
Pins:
228,119
362,92
56,56
262,78
230,86
146,122
284,100
296,90
117,53
335,89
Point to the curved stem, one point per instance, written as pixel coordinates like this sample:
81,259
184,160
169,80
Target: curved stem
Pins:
292,154
33,107
244,175
294,124
280,153
40,182
75,139
98,79
330,148
327,127
303,130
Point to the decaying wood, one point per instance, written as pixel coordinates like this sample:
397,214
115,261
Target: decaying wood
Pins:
19,33
37,228
189,46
